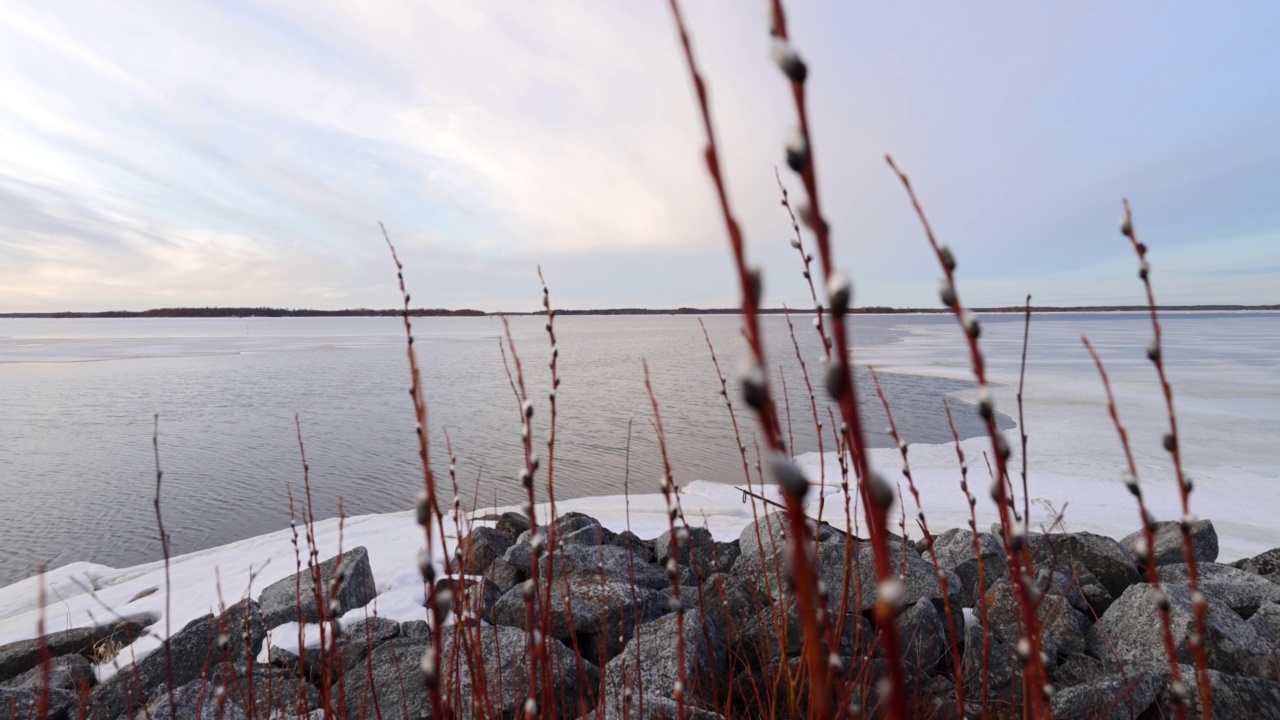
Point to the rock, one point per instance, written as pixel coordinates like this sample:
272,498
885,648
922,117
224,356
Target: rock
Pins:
1113,697
600,614
191,650
762,546
1266,623
24,703
19,657
67,672
468,598
1233,697
280,600
512,524
1051,582
573,521
1079,669
1241,591
1061,624
955,552
649,707
922,639
1106,558
726,555
504,574
1267,565
697,551
415,629
589,536
772,635
605,560
1133,626
398,686
1003,671
918,576
649,663
729,603
265,692
364,636
1168,542
478,549
630,541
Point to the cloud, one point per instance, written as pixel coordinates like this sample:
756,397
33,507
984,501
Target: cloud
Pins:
210,153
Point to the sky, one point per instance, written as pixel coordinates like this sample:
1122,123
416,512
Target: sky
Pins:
242,153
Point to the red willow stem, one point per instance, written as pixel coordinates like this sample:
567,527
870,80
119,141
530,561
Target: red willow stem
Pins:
928,539
1155,353
671,495
977,554
806,259
1148,536
1022,423
813,406
427,506
756,393
1036,681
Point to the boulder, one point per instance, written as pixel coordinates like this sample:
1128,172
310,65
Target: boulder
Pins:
296,596
478,549
503,574
1107,559
589,536
954,549
468,598
66,672
1168,542
1133,626
1266,564
24,703
397,686
729,602
364,636
415,629
762,546
1057,582
512,524
1079,669
775,633
1113,697
650,665
922,640
1266,623
1234,696
19,657
601,614
726,555
191,650
697,551
1002,678
630,541
1060,624
571,522
1241,591
919,579
603,561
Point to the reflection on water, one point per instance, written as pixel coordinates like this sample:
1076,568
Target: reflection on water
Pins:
77,475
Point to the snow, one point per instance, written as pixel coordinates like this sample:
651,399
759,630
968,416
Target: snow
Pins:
1229,422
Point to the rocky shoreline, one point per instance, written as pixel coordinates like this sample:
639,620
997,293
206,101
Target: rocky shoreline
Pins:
621,637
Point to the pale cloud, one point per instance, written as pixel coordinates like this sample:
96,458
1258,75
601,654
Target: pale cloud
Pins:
203,153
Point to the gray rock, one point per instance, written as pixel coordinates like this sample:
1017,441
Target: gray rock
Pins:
775,633
1062,583
605,560
1266,623
1106,558
649,707
1079,669
649,664
1061,624
24,703
265,692
512,524
573,521
19,657
67,672
415,629
191,650
504,574
398,688
1233,697
762,548
630,541
919,578
468,598
600,614
1266,564
1133,627
1113,697
955,552
478,549
1241,591
727,554
697,551
1002,672
280,600
366,635
922,639
589,536
1168,542
729,602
